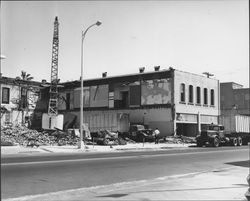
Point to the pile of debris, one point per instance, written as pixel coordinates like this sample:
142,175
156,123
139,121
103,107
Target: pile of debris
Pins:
21,135
179,139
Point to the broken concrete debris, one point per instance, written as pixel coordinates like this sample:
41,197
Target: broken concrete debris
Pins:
21,135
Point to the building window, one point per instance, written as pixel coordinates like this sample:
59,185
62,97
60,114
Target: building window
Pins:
205,96
5,95
198,95
24,100
191,94
212,96
182,92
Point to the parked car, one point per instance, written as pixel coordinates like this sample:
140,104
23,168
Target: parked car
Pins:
105,137
139,133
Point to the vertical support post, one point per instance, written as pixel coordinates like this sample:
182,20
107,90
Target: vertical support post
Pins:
198,122
247,194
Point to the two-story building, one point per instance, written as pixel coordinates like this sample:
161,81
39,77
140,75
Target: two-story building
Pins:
176,102
18,99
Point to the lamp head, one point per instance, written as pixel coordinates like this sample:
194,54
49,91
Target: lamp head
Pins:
98,23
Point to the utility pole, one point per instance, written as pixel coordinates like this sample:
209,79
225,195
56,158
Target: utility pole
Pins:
208,74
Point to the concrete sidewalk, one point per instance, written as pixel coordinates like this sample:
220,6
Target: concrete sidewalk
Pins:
9,150
221,184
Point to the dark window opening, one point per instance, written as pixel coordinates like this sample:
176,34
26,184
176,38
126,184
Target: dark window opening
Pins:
191,94
67,101
124,101
5,95
24,100
205,96
182,92
198,95
212,97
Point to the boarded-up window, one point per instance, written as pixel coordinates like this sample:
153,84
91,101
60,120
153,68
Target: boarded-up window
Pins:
135,97
77,95
99,96
5,95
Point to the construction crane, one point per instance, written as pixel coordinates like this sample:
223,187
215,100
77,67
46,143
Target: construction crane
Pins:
52,120
53,100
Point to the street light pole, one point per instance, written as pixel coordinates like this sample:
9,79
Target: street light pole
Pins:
81,96
1,57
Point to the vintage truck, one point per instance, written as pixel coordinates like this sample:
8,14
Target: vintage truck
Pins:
233,130
214,135
140,133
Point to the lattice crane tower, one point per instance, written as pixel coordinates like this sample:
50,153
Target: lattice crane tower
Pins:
53,101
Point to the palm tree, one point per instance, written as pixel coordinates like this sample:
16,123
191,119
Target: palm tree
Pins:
25,76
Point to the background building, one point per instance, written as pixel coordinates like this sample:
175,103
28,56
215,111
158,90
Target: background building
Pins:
172,100
234,99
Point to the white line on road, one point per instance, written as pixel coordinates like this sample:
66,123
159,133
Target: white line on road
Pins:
114,158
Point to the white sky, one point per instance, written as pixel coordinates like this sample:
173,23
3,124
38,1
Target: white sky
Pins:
193,36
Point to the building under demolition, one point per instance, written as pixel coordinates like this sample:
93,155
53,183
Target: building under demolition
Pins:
18,100
174,101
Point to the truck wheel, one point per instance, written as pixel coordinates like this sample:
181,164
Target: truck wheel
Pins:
199,144
216,142
239,141
234,142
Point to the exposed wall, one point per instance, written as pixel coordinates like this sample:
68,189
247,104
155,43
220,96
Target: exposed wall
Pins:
99,96
156,91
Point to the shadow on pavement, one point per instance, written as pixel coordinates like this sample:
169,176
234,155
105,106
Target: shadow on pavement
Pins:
172,190
114,195
240,163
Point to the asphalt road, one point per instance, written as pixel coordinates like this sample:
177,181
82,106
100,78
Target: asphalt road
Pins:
50,173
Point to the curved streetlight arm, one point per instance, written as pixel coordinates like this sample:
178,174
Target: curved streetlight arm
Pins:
81,99
84,33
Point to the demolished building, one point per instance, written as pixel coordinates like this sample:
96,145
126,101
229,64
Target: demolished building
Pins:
174,101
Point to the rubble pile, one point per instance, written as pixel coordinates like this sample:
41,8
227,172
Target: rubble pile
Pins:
179,139
21,135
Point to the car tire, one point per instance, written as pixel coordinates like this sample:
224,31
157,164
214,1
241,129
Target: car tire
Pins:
239,141
216,142
199,144
234,142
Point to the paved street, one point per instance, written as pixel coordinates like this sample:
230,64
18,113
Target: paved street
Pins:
37,175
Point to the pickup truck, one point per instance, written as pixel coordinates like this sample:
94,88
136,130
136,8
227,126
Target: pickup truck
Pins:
214,135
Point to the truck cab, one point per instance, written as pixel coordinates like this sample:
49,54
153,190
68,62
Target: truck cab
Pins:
214,135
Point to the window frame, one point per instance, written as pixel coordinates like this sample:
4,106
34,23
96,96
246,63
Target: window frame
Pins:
190,94
8,95
205,96
198,95
212,97
183,93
